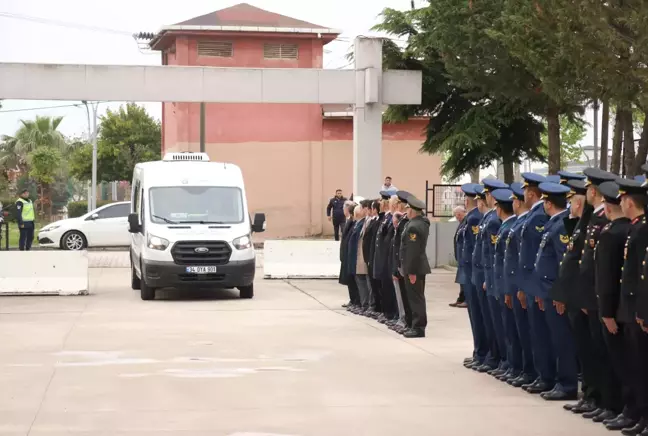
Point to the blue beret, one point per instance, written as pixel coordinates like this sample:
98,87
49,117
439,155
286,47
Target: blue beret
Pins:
493,184
553,178
403,196
518,190
503,195
386,195
640,178
566,176
479,191
469,189
532,179
551,189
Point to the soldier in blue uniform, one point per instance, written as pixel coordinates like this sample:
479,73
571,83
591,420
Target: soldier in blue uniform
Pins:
504,209
552,249
491,228
513,285
492,360
470,233
530,238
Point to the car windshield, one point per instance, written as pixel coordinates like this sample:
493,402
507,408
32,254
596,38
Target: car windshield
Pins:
196,204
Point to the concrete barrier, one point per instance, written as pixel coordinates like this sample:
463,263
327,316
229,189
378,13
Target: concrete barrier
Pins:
301,259
44,273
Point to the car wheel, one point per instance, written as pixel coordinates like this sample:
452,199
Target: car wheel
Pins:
246,292
74,241
136,283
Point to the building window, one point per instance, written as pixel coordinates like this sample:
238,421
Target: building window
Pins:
219,49
280,51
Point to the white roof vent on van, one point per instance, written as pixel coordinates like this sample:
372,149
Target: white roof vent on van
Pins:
186,157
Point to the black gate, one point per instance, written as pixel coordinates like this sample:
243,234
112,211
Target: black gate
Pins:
444,199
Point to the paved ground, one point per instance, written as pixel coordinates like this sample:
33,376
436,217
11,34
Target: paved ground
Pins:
288,362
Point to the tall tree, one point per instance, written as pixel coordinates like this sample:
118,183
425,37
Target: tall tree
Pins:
126,136
605,133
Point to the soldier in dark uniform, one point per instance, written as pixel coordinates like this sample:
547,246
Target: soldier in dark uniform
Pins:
490,232
504,209
398,266
492,360
345,278
415,265
608,258
513,284
470,232
380,266
530,238
633,203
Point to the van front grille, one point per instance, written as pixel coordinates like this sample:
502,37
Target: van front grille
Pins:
201,252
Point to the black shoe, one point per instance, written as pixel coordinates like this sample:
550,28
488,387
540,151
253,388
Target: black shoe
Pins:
540,388
498,372
607,414
571,406
520,381
560,395
607,421
586,407
594,413
484,368
621,422
532,384
455,304
636,430
414,333
468,360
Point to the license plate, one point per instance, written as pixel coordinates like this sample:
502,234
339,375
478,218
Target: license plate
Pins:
201,269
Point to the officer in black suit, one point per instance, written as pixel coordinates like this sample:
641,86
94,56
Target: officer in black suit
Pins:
634,199
416,265
398,266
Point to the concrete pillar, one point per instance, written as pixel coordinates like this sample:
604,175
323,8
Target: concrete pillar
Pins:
367,118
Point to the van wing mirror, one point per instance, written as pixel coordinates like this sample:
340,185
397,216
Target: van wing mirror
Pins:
133,223
259,224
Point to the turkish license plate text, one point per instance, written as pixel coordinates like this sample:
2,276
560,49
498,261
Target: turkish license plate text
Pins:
201,269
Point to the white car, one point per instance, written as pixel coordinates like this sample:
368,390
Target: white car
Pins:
106,226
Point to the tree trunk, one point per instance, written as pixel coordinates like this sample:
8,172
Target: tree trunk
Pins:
509,173
642,152
628,144
605,133
474,176
617,142
553,127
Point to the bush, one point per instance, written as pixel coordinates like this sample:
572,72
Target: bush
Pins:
80,208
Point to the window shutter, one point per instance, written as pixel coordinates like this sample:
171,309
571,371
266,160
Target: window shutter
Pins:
219,49
280,51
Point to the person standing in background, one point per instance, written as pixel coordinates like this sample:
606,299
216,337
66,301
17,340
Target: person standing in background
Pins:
388,187
335,212
25,216
459,214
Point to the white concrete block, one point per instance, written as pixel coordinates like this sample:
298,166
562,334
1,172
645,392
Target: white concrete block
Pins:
285,259
44,273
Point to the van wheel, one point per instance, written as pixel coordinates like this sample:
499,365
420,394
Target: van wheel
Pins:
247,292
136,283
146,292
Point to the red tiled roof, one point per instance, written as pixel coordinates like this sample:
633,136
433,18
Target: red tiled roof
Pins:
247,15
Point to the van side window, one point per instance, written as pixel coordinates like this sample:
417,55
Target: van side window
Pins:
141,212
136,197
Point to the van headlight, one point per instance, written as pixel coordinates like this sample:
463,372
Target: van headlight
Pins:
242,243
156,243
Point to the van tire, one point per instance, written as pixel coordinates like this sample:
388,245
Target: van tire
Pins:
136,283
146,292
246,292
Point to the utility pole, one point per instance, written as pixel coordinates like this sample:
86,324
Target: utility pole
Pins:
596,133
202,127
92,129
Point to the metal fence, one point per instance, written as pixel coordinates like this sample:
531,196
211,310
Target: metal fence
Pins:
444,199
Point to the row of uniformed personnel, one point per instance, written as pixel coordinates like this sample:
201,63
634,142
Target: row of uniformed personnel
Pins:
554,271
383,261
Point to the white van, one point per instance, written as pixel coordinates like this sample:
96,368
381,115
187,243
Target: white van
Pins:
190,226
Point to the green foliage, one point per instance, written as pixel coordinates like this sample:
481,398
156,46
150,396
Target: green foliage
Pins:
572,132
44,164
80,208
127,136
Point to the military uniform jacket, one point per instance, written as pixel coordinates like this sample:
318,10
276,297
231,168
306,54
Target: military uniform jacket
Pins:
499,253
552,248
530,238
381,246
587,283
398,236
470,233
491,230
608,261
511,256
458,247
565,288
369,240
478,276
413,246
642,291
633,255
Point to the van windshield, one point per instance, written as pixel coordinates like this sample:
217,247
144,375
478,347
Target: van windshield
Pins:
196,204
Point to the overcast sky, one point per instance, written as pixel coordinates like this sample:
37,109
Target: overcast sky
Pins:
102,30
